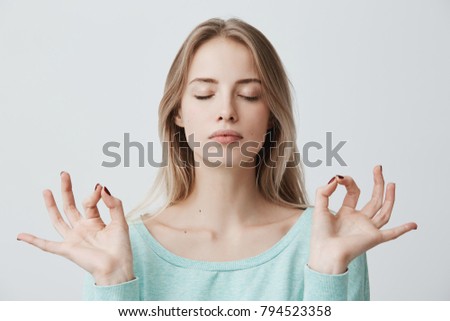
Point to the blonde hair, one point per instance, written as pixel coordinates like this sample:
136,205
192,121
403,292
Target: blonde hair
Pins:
279,183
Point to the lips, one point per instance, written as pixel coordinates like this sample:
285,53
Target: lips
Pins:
225,136
225,133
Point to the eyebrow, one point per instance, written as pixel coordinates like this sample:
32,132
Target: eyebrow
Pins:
214,81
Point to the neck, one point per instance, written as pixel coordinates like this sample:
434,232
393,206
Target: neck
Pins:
225,197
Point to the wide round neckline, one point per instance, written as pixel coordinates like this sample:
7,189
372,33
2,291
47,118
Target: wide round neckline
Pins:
240,264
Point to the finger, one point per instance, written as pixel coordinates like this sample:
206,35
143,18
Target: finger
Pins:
375,203
393,233
383,216
44,245
69,206
351,198
55,216
90,203
323,194
114,205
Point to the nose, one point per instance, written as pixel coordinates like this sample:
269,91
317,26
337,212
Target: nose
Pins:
227,111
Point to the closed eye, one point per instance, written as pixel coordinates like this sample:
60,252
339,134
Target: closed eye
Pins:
250,98
203,97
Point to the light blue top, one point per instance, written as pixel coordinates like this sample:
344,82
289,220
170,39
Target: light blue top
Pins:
279,273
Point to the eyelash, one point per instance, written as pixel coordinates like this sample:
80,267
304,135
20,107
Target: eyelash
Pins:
203,97
248,98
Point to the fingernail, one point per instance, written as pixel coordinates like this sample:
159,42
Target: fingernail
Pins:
18,239
332,180
96,185
340,176
381,168
106,190
61,173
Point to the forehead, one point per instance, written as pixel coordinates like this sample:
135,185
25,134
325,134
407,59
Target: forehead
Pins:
222,58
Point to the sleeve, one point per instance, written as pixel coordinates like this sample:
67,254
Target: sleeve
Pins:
353,285
127,291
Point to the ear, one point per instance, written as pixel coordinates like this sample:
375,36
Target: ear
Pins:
178,119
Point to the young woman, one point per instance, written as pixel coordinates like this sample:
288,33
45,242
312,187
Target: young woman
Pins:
236,224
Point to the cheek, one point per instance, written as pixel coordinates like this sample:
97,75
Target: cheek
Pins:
259,125
256,134
192,119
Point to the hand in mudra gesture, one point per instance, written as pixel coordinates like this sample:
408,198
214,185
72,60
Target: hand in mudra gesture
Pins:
337,239
102,250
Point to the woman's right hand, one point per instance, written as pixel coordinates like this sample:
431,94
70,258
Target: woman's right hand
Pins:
102,250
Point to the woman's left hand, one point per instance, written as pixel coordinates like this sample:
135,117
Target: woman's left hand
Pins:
337,239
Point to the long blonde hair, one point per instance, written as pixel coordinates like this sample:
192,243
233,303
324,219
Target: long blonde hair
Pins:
279,183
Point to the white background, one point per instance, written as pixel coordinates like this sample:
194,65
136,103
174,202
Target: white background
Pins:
77,74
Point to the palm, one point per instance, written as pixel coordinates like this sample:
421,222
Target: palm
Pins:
91,243
350,229
342,237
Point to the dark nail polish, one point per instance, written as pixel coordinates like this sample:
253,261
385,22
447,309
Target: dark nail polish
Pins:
61,173
18,239
381,168
332,180
340,176
96,185
106,190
